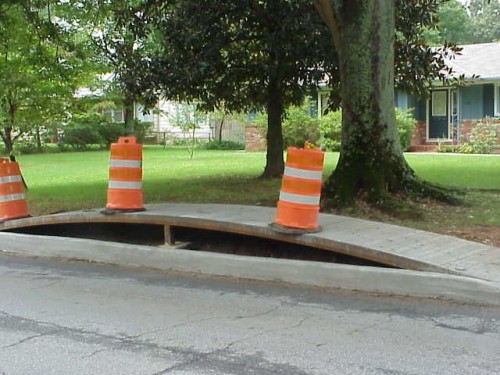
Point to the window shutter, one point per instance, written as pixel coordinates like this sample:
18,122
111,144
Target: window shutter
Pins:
488,100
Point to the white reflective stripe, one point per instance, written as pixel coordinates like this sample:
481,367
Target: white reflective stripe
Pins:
300,199
7,179
124,185
303,173
12,197
125,163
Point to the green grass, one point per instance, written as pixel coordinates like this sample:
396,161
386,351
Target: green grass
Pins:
72,181
463,171
75,181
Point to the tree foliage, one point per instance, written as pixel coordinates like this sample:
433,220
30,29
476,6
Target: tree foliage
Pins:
476,22
485,26
243,55
40,68
122,46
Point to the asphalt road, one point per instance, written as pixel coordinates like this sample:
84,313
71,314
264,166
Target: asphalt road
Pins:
81,318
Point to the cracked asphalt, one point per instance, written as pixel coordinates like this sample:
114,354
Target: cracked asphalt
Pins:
84,318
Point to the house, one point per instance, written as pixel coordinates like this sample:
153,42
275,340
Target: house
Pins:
449,113
170,121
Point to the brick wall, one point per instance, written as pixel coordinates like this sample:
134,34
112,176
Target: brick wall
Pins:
253,139
465,129
419,134
418,137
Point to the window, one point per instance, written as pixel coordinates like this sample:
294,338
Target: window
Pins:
497,99
115,115
439,103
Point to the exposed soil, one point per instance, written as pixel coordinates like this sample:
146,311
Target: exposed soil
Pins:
477,219
488,235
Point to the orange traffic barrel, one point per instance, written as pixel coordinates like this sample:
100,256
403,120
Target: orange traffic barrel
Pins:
12,201
125,177
298,205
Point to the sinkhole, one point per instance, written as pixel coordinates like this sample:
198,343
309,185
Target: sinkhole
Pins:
195,239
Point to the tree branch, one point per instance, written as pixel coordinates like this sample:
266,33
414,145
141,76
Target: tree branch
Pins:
326,12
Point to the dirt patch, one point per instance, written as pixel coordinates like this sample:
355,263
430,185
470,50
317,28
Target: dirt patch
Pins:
477,219
489,236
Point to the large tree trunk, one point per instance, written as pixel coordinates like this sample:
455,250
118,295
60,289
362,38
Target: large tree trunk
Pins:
129,115
6,133
371,164
274,156
7,139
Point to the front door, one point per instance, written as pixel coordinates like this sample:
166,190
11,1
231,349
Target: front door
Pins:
439,116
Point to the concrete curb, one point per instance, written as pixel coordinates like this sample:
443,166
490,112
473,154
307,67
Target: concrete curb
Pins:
340,276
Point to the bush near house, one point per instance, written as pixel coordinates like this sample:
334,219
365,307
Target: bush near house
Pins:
141,130
87,130
406,125
330,128
223,145
483,137
82,131
302,124
299,124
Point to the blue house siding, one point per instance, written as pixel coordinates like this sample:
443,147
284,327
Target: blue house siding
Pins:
401,100
471,102
419,107
477,101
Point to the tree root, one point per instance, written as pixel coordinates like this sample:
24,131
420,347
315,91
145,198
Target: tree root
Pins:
393,198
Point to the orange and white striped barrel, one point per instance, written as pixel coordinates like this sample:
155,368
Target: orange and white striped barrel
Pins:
125,176
12,200
298,205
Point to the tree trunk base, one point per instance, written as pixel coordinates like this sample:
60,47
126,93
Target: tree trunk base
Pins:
389,192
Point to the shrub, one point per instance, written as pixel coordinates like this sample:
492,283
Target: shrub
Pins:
482,138
141,129
442,147
110,131
83,130
300,125
80,136
223,145
405,124
330,128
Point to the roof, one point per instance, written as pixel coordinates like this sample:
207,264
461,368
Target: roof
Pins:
482,60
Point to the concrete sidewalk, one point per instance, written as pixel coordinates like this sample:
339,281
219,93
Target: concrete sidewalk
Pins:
431,265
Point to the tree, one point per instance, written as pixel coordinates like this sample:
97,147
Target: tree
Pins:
453,26
371,164
188,118
122,46
243,55
485,27
40,67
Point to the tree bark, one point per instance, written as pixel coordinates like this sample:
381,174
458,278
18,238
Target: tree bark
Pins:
274,157
9,126
220,128
129,115
7,139
371,164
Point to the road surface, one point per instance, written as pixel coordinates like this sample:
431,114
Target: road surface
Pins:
84,318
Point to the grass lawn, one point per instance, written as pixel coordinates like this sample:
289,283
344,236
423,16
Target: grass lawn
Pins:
74,181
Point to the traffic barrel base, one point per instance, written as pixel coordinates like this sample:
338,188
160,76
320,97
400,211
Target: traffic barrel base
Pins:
298,206
125,177
293,219
12,200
